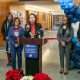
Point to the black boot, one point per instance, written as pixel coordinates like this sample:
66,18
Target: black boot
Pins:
9,59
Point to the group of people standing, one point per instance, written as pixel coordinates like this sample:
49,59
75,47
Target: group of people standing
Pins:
12,31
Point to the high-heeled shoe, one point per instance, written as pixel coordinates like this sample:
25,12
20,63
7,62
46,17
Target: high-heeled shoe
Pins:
65,71
62,70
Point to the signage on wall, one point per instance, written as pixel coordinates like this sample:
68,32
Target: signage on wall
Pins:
31,51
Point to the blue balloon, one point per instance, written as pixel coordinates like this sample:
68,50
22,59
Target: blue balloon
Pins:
72,64
75,40
70,16
66,6
77,51
77,13
73,55
77,57
72,10
68,1
67,11
70,5
60,1
78,64
74,20
78,44
62,6
75,7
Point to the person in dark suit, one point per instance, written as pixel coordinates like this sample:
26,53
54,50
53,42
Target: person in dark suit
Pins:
33,29
16,32
65,35
4,30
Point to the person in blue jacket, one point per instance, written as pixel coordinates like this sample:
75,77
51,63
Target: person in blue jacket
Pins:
16,32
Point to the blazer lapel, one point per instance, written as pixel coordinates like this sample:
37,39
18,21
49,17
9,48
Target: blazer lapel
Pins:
61,31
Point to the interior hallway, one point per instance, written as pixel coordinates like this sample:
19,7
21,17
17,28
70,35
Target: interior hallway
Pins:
50,61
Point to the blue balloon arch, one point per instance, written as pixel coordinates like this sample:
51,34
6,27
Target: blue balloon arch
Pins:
72,12
70,9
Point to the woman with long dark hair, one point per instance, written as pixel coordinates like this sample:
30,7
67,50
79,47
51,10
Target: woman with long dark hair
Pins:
33,29
65,35
4,30
16,32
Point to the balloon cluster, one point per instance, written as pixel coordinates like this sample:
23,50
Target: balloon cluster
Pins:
75,55
76,42
70,9
75,59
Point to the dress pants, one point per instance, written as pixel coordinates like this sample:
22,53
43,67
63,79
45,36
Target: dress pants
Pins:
65,52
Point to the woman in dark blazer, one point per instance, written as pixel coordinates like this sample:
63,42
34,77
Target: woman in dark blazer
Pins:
33,29
65,35
4,30
16,32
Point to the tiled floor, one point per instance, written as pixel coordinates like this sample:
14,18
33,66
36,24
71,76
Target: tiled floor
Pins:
50,62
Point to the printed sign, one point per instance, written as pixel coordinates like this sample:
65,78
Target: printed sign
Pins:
31,51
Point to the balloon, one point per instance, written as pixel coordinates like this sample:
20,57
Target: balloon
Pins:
72,10
68,1
63,6
60,1
70,5
77,13
66,6
70,16
73,55
72,64
74,40
74,20
78,64
66,11
75,7
78,45
76,57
